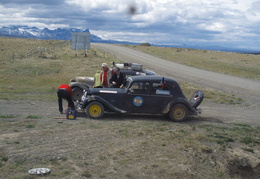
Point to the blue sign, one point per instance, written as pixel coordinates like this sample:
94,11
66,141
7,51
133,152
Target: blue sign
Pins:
138,101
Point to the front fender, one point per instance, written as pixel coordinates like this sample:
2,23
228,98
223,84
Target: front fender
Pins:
179,101
104,102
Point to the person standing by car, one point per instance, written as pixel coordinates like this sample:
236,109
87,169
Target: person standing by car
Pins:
118,79
65,92
97,82
105,75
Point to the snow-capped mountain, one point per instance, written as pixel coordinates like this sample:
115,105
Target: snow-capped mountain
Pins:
36,33
65,34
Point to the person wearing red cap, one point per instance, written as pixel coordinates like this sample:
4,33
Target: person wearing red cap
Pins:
65,92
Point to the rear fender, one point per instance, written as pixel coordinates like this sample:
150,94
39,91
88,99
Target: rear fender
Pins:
179,101
104,102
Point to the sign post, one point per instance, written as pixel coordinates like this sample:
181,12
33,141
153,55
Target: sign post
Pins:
80,41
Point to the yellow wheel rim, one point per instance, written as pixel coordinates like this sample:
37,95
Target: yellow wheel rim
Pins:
95,110
179,113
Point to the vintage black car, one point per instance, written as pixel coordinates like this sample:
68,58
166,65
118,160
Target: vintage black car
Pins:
150,94
128,69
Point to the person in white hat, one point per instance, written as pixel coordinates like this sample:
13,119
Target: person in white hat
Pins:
105,75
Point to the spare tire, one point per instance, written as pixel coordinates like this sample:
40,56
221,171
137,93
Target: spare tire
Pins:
77,93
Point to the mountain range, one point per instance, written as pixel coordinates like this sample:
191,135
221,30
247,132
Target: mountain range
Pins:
65,34
46,34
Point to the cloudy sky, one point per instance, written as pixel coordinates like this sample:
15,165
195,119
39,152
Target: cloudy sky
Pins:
231,23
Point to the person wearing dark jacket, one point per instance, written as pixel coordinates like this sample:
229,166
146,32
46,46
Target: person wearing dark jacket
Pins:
65,92
118,79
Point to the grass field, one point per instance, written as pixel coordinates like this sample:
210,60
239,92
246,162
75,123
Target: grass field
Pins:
236,64
35,68
114,147
32,69
130,147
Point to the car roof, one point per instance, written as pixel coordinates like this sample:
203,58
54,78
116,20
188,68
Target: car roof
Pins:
136,72
151,78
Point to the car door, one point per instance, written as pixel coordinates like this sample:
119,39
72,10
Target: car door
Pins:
160,97
137,98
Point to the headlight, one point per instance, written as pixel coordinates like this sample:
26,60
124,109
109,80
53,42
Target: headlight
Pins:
140,73
84,96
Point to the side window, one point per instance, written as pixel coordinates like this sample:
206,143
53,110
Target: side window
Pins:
140,87
160,89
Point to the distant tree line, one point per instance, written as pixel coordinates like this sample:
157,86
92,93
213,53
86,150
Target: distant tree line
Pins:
145,44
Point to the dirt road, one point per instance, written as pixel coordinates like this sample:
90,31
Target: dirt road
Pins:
248,90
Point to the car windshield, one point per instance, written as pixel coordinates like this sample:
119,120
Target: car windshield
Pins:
128,82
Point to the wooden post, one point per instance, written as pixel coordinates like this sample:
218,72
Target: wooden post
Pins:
76,52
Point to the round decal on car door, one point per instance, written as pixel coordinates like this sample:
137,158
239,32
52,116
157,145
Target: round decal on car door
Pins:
138,101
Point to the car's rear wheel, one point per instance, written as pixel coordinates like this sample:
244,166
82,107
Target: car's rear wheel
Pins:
178,113
95,110
77,93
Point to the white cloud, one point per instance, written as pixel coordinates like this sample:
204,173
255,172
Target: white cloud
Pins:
130,36
156,21
215,26
103,6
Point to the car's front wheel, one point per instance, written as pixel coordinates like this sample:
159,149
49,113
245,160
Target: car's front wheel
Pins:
95,110
77,93
178,113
